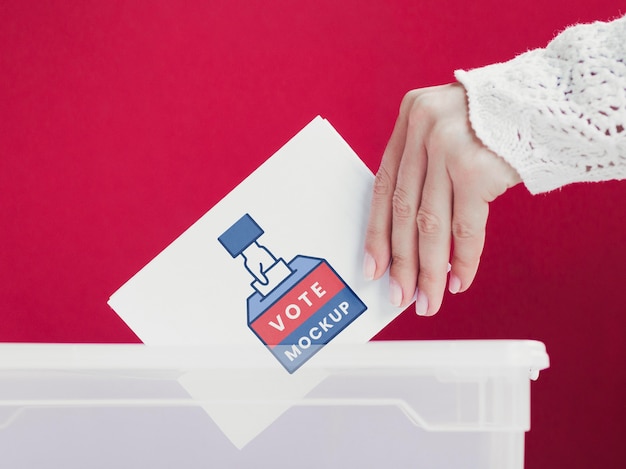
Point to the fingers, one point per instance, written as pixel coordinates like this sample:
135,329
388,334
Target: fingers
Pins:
404,206
468,232
378,234
484,177
433,223
392,235
432,192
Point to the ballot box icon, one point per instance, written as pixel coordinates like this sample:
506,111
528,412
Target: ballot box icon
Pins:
297,307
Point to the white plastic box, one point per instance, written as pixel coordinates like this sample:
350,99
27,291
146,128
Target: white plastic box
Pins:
426,404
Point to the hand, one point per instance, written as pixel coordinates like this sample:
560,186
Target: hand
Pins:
432,191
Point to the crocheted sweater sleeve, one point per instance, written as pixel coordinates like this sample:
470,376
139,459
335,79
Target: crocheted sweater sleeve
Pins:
557,115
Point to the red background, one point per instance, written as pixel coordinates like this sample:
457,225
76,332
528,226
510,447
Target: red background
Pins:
121,123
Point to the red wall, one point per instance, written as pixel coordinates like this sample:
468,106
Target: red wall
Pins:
120,125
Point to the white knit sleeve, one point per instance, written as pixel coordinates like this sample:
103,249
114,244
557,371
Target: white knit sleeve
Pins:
557,115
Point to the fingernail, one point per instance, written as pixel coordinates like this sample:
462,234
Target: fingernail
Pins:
369,266
421,304
395,293
454,284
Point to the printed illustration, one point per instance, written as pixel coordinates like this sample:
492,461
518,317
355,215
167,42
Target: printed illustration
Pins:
297,306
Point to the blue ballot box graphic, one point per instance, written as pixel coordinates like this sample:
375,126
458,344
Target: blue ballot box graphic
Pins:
297,306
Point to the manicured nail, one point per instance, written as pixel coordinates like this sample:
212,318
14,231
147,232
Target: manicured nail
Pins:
421,304
369,266
454,284
395,293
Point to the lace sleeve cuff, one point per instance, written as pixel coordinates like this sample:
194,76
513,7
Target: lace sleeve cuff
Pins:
557,115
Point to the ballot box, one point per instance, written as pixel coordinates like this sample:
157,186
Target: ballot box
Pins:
400,404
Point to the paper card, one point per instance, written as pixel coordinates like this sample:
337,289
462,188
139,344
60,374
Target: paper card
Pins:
275,266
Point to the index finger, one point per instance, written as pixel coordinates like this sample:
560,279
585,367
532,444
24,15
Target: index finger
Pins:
378,233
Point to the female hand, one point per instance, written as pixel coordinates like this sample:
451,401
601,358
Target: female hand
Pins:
432,191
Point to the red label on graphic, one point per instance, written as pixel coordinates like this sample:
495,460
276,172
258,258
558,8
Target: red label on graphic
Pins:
301,302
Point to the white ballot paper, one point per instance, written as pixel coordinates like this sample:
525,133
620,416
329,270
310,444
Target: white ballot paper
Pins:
275,266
